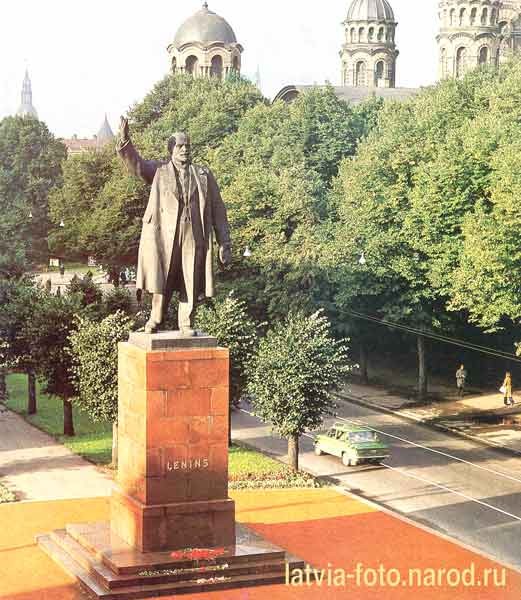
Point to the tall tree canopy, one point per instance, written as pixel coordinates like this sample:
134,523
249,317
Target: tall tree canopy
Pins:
275,174
429,201
30,166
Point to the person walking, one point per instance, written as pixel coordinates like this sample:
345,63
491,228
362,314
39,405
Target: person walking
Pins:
461,378
506,389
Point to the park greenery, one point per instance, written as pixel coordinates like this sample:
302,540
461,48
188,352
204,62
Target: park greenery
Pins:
295,372
401,211
31,162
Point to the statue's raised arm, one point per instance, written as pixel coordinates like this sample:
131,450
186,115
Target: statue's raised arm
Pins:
146,169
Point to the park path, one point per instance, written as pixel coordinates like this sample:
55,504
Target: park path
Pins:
36,467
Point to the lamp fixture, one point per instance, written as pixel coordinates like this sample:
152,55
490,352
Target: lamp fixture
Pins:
247,252
362,261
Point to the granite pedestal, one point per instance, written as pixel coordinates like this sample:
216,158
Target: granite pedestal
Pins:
171,491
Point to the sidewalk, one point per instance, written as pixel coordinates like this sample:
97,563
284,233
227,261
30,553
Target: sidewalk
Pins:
36,467
479,416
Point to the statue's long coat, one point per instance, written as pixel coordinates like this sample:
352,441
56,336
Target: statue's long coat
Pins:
161,219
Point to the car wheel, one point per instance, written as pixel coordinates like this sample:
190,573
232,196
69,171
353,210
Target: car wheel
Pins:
318,451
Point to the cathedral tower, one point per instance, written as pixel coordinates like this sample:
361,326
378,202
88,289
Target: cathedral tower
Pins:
476,32
205,46
369,53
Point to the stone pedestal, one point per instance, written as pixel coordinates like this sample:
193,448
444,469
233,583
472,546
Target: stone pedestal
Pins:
172,483
170,504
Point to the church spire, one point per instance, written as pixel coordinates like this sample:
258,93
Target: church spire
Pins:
26,107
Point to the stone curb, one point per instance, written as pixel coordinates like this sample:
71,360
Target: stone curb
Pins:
428,424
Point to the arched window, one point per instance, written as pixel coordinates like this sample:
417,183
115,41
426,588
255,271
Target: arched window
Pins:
462,13
493,17
216,69
379,73
361,34
453,17
498,57
360,74
353,35
381,34
484,16
473,16
192,65
483,57
443,63
235,64
461,60
371,34
174,64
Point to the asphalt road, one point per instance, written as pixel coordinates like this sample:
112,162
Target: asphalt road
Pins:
452,485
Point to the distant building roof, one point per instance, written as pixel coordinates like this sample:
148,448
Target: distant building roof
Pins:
76,145
353,95
204,27
105,134
370,10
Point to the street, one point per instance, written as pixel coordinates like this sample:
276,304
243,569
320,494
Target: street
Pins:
452,485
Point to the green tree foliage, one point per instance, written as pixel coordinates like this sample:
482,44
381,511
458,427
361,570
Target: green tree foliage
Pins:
19,300
406,199
275,174
298,366
117,299
229,322
101,205
50,328
94,347
30,166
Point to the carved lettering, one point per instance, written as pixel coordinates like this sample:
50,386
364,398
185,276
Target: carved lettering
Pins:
188,465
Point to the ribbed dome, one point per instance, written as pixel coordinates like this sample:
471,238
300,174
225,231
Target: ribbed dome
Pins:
205,27
370,10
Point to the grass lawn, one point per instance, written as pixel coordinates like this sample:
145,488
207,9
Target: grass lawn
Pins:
94,440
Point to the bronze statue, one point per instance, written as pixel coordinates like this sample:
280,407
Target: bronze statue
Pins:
176,248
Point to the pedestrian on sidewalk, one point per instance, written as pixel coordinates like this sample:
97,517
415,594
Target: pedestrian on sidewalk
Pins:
506,389
461,378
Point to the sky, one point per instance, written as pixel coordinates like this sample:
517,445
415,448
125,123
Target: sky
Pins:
86,59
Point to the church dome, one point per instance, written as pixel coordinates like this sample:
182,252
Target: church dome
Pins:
370,10
204,27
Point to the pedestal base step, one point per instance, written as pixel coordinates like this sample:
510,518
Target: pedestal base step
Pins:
153,575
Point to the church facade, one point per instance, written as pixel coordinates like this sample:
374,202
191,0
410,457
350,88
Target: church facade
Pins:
477,32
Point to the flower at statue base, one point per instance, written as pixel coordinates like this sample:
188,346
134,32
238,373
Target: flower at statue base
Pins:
198,554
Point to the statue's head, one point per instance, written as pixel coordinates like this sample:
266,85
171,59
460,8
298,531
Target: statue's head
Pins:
179,148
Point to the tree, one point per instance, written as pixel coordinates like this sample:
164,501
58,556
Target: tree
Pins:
30,166
292,379
50,328
102,205
229,322
19,299
403,201
94,347
275,172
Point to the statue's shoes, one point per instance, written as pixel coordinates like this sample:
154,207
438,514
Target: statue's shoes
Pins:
151,326
188,332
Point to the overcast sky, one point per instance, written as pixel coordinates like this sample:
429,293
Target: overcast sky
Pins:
88,58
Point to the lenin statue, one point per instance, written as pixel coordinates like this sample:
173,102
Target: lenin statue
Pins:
184,211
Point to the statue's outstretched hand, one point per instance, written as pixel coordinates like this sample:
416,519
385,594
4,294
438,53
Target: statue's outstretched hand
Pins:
124,132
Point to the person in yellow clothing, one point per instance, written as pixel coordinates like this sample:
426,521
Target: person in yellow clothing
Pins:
506,388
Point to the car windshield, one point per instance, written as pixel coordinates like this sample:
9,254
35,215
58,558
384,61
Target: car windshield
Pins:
362,436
